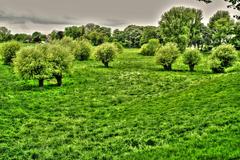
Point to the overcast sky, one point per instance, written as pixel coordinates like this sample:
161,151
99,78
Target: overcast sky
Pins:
46,15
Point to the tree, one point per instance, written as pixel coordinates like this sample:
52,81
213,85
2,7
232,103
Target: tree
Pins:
118,36
73,32
106,53
222,57
8,51
96,38
67,42
38,37
32,63
5,34
236,38
149,32
119,47
191,57
56,35
167,55
22,37
222,27
83,50
206,44
150,48
60,61
132,36
97,34
182,26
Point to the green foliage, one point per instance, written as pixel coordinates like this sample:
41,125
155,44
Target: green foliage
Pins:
130,37
182,26
73,32
8,51
96,38
38,37
106,53
42,62
150,48
5,34
131,111
191,57
149,32
60,60
119,47
167,55
32,63
56,35
97,34
236,38
222,57
222,27
83,50
22,37
66,42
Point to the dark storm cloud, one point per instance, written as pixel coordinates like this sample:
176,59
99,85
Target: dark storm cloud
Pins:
45,15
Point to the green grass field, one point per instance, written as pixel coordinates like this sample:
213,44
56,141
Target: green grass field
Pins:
133,110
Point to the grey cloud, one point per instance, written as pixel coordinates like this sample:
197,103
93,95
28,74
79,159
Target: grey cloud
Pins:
46,15
23,19
114,22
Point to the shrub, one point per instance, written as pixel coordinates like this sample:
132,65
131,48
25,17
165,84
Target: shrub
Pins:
60,60
31,63
105,53
8,51
83,50
191,57
66,42
150,48
222,57
119,47
167,55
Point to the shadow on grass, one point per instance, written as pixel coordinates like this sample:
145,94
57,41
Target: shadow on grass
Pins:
35,87
160,69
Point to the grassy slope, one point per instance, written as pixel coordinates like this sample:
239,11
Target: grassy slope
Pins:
133,110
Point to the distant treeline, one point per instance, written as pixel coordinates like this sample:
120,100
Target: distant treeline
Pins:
180,25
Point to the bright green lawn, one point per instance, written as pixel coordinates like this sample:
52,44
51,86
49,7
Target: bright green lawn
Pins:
134,110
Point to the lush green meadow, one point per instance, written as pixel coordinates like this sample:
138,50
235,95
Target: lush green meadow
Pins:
133,110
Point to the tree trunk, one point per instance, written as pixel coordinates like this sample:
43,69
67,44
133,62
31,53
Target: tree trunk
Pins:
41,82
105,64
59,80
168,67
191,67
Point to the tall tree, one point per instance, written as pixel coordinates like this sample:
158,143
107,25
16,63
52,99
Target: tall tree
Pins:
222,27
182,26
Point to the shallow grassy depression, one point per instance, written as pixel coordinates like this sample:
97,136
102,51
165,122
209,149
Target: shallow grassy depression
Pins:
133,110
